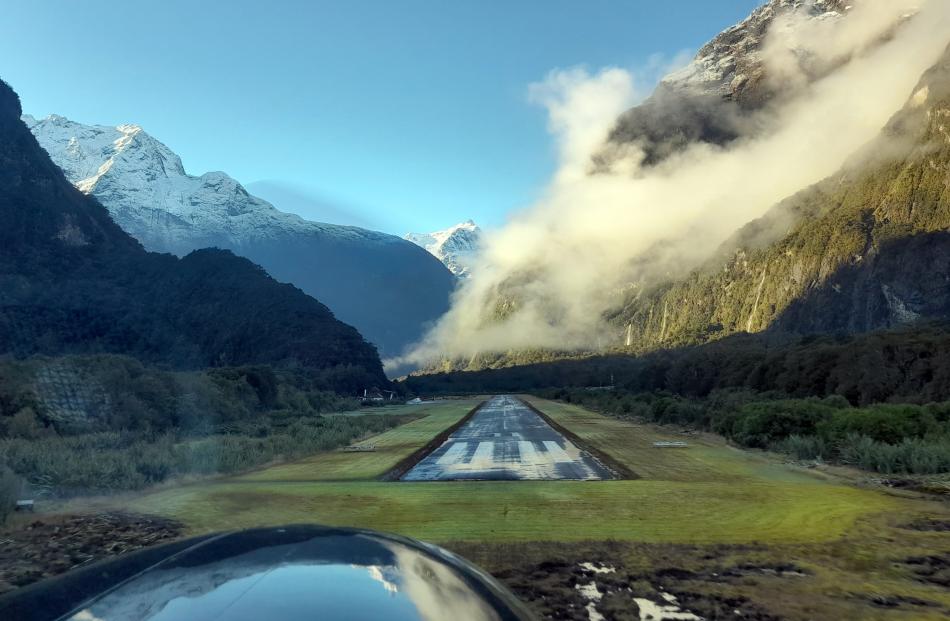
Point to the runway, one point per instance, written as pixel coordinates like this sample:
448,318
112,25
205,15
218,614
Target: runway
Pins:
506,440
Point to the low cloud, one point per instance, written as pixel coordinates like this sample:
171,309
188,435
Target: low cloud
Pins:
546,279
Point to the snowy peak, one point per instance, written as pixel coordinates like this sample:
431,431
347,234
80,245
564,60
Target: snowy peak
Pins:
768,56
455,246
147,192
144,186
731,65
87,152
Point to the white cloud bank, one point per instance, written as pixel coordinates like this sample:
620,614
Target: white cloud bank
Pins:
556,267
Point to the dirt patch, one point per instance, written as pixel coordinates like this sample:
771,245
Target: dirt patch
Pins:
896,601
563,590
933,568
929,524
51,546
936,486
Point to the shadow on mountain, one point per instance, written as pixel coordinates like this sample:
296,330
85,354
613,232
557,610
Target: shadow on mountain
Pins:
71,281
909,364
906,280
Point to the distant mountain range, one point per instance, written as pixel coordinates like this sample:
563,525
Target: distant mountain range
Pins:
455,246
387,288
72,281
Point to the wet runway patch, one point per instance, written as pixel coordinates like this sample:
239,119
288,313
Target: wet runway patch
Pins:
506,440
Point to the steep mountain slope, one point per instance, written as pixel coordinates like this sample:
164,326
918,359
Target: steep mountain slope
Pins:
864,250
386,287
72,281
713,98
455,246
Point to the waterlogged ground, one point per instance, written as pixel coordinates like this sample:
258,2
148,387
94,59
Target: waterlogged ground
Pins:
506,440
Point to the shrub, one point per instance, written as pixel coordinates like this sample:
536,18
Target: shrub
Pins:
911,456
804,447
10,487
763,424
111,461
26,424
882,423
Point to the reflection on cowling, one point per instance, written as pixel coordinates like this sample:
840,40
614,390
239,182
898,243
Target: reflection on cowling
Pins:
305,572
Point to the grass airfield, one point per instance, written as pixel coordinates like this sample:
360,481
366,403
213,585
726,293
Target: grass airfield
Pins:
706,493
706,506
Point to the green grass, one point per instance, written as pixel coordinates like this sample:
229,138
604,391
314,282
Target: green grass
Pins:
704,508
708,459
707,493
653,511
391,446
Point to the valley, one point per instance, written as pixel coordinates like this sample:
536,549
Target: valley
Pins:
709,523
695,366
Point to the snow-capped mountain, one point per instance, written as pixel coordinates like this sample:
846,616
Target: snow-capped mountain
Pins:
384,286
710,99
731,64
144,185
455,246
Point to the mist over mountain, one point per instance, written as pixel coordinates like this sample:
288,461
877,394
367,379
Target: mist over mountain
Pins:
716,98
386,287
307,204
455,246
866,249
72,281
635,244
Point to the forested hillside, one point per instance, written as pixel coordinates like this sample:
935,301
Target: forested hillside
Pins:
71,281
864,250
910,365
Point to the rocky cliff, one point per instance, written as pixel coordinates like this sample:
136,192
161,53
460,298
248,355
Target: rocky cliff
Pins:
866,249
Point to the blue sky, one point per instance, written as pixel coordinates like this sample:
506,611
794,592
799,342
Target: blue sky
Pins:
403,114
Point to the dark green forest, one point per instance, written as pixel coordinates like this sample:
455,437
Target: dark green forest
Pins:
877,400
908,366
72,282
80,424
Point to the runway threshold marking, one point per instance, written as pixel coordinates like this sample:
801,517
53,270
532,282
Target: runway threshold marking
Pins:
454,454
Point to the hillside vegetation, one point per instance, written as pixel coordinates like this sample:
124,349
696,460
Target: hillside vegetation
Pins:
71,281
909,365
866,249
104,423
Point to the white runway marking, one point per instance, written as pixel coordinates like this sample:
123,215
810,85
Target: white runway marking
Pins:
529,456
506,440
484,454
454,454
556,452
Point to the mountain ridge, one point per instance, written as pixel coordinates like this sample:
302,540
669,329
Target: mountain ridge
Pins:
455,246
145,187
715,98
72,281
865,249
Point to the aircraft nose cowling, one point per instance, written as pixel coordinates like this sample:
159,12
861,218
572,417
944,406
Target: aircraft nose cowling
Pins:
288,573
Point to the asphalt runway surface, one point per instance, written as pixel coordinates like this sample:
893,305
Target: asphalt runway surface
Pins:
506,440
